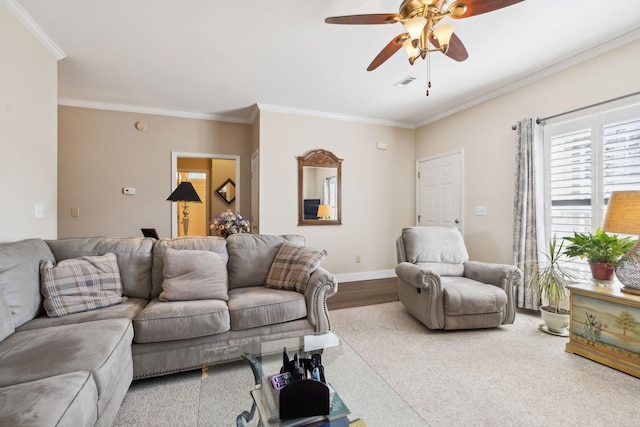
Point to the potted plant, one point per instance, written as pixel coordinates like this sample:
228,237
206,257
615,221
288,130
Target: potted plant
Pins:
602,251
550,279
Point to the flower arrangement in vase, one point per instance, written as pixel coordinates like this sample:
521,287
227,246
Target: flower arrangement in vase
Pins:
228,223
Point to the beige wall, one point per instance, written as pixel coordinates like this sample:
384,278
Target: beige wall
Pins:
101,152
373,209
28,123
485,134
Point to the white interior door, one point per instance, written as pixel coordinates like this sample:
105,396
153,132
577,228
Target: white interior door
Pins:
440,190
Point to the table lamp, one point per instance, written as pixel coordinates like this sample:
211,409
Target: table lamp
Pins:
623,216
324,211
185,193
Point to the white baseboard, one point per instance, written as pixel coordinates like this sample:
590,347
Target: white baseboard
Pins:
365,275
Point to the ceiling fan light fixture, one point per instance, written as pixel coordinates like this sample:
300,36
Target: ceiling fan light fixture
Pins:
415,26
411,49
443,34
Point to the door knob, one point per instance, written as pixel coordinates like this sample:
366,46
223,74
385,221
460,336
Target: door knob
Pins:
457,221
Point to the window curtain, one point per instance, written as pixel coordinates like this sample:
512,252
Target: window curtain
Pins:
528,208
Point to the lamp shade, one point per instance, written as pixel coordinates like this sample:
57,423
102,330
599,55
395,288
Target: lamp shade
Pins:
184,193
443,33
415,26
623,213
325,211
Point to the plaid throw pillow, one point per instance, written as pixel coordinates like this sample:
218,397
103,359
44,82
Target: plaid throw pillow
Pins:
293,266
80,284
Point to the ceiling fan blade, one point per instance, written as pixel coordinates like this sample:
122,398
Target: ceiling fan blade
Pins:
388,51
378,18
477,7
456,49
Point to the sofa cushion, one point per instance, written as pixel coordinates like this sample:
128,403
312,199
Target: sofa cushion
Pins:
81,284
61,400
6,322
20,277
212,244
134,256
99,347
255,306
293,265
178,320
464,296
441,248
125,310
251,256
191,275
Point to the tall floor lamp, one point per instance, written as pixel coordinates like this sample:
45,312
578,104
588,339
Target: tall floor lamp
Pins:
623,216
185,193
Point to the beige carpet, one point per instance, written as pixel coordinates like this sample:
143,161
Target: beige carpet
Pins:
514,375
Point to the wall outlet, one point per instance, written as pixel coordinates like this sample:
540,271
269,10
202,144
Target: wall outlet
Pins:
357,259
75,211
129,191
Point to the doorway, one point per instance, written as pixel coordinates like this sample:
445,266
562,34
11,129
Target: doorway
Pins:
439,190
207,173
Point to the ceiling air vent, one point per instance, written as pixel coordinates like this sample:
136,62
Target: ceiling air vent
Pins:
405,81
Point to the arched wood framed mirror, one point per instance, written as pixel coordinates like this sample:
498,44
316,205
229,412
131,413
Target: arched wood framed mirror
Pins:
319,188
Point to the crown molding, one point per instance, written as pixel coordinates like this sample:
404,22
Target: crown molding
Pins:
148,110
542,73
332,116
27,21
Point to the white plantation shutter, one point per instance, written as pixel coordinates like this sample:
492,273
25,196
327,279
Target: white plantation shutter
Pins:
587,159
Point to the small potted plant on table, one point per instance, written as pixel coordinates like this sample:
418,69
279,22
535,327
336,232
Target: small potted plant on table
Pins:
550,279
602,251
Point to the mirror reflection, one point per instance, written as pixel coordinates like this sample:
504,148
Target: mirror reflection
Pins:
227,191
319,192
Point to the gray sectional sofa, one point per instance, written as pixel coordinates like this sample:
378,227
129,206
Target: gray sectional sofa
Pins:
74,369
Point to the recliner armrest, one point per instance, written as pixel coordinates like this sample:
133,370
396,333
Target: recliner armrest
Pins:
321,286
416,275
502,275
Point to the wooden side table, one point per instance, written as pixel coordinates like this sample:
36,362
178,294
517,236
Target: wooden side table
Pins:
605,326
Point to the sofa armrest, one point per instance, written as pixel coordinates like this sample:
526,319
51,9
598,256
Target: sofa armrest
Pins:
504,276
321,286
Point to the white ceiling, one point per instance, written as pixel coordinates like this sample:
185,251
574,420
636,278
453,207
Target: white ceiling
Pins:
214,58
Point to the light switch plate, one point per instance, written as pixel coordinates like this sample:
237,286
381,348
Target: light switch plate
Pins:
480,210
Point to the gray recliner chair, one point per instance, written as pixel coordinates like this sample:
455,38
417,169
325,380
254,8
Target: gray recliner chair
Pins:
441,288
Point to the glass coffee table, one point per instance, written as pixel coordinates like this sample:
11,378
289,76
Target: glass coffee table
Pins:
230,389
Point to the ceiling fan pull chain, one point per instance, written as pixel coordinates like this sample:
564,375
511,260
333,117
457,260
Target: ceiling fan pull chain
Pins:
428,73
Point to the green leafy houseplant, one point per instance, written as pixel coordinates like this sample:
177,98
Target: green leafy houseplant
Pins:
600,247
550,278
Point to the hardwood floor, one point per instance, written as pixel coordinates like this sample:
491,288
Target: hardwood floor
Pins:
366,292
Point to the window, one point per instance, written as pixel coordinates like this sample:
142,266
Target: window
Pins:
587,159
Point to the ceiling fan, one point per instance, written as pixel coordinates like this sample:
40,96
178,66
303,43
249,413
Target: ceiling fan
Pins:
424,33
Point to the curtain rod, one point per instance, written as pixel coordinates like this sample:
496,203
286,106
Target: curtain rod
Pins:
538,121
